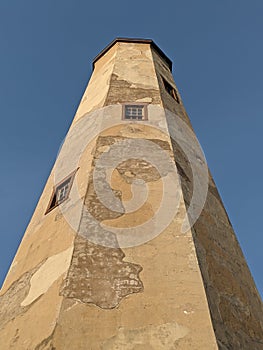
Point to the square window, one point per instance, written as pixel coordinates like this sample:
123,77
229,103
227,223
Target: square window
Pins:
61,192
134,112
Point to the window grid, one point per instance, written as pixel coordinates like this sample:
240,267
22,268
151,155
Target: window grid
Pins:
134,112
63,191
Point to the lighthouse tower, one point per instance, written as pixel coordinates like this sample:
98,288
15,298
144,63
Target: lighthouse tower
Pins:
130,246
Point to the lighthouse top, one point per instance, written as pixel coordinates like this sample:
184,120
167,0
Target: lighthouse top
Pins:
137,41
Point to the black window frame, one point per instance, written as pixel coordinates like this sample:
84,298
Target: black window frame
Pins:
54,202
170,90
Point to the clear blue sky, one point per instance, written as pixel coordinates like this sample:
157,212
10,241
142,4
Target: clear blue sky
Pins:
45,62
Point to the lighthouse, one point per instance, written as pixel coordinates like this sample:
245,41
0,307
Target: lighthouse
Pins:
130,246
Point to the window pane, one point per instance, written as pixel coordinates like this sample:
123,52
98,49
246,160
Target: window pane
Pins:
134,112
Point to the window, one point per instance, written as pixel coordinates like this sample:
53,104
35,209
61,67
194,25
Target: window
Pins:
61,192
134,112
171,91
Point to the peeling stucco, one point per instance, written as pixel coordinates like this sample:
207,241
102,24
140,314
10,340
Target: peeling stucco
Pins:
47,274
98,275
10,301
121,91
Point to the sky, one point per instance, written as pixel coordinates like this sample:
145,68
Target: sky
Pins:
45,63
